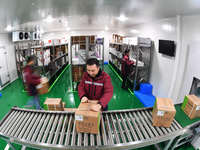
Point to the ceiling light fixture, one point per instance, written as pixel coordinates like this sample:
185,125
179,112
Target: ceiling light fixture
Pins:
102,31
72,32
122,18
9,28
106,28
68,28
134,31
49,18
32,4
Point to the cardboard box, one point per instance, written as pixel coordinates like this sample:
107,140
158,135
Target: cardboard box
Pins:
163,112
64,105
191,106
43,87
70,109
87,121
77,73
53,104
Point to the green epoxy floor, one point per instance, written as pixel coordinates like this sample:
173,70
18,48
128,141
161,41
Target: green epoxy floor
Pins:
12,95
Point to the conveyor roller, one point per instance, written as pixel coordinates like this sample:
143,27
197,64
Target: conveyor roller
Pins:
123,129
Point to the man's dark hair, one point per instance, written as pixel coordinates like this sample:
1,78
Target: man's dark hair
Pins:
92,61
30,58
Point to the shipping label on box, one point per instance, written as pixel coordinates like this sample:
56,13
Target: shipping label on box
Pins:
53,104
191,106
87,121
163,112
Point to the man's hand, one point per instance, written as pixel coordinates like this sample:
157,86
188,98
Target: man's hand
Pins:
96,107
84,100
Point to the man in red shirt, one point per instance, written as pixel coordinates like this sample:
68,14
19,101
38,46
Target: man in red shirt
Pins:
95,85
32,81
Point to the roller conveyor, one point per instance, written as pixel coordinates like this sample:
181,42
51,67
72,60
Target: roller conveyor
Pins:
123,129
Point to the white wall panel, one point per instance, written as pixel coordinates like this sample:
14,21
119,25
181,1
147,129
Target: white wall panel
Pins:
6,40
106,35
190,31
162,66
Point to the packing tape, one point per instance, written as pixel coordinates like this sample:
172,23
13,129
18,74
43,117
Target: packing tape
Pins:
48,103
193,108
55,104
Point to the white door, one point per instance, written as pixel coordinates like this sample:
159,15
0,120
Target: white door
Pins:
4,74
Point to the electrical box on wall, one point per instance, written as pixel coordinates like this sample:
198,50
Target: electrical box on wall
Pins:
36,36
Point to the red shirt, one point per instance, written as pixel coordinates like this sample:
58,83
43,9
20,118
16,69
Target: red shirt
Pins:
126,63
31,80
98,89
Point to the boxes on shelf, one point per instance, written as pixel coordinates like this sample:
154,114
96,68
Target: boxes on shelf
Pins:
53,104
163,112
77,73
56,41
64,105
70,109
43,87
120,39
45,58
87,121
191,106
115,37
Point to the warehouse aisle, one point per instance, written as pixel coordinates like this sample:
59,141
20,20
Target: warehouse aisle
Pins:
12,95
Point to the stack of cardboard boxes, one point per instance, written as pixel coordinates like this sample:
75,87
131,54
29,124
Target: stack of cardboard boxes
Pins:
191,106
45,58
56,104
82,39
77,72
117,39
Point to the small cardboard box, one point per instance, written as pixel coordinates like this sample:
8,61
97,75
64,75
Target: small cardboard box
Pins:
163,112
64,105
43,87
53,104
191,106
70,109
87,121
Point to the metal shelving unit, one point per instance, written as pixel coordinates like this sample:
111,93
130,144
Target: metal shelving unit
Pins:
50,69
83,48
141,54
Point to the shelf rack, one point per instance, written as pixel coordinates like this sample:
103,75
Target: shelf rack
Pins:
83,48
52,69
141,53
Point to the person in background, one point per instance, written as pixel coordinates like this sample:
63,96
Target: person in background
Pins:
32,81
95,85
126,63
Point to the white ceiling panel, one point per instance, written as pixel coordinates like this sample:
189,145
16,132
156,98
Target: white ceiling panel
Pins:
89,14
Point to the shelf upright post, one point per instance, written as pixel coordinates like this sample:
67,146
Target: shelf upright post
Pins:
103,55
71,86
87,48
29,48
19,61
136,67
42,44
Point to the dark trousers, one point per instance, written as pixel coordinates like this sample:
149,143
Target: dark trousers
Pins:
106,108
124,78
